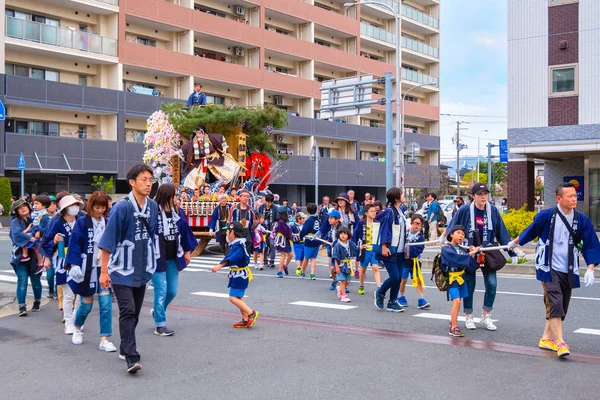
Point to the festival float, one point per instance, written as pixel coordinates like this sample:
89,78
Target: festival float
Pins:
214,146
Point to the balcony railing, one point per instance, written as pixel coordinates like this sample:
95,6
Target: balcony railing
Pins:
377,33
418,77
111,2
62,37
419,47
416,15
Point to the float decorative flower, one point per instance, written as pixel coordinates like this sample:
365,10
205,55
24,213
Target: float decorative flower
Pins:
162,143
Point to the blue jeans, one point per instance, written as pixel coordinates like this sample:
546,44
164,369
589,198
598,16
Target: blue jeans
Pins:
392,283
105,304
50,278
22,271
165,289
489,279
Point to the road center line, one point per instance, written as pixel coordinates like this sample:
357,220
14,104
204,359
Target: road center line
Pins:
323,305
390,334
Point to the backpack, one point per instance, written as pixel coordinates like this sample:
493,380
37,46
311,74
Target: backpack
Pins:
438,276
441,216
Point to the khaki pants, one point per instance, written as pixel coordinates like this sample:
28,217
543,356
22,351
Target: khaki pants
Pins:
433,232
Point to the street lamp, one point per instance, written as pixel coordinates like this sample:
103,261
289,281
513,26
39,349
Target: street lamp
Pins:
399,132
400,173
478,138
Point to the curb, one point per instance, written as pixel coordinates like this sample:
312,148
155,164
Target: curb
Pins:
520,269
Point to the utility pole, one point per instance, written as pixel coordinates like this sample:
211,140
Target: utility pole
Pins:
490,145
459,147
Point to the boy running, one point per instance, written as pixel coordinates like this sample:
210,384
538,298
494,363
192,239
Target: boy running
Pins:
328,232
237,259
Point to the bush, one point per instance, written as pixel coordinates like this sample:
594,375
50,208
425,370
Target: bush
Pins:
5,194
517,220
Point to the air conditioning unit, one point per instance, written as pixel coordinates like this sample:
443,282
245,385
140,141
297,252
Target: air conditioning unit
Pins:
279,138
239,10
238,51
278,100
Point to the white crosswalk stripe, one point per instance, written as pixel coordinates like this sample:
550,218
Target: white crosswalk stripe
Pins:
207,262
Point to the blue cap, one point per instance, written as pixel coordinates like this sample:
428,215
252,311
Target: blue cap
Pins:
334,214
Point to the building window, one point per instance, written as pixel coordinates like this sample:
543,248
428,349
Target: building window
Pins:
210,99
324,152
146,42
83,80
324,7
561,2
31,127
82,131
322,43
317,114
282,70
411,98
563,80
210,11
35,73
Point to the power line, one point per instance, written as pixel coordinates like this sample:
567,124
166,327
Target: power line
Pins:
474,116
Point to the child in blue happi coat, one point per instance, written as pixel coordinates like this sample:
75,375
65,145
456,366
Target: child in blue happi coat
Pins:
282,236
412,267
240,274
343,254
455,261
311,247
298,242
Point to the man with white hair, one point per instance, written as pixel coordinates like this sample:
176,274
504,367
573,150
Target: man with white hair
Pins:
353,202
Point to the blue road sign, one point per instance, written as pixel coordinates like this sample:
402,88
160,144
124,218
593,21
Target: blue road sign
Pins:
21,164
2,111
504,150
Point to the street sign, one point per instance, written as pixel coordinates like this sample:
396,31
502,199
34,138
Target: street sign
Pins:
2,111
343,97
504,150
21,164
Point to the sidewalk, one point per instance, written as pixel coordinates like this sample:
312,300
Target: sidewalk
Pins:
8,300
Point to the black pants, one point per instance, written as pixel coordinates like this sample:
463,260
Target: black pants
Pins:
223,244
130,301
426,227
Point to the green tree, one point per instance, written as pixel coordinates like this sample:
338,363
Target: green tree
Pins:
5,194
100,184
499,172
474,177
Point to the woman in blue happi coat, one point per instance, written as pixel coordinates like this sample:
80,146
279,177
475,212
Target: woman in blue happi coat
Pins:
21,237
176,242
83,261
55,246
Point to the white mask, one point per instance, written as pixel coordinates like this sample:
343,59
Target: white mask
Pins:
73,211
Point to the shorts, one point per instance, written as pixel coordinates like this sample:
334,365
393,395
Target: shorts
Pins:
408,270
259,249
456,291
299,251
311,252
369,259
239,293
287,249
344,277
557,295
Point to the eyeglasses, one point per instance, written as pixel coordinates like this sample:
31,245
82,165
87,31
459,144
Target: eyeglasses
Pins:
416,223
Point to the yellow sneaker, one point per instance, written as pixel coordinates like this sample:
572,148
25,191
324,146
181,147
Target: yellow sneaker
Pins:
548,344
563,350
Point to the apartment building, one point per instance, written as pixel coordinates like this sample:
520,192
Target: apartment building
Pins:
81,77
554,97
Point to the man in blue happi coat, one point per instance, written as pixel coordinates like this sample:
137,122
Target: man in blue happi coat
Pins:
562,234
129,255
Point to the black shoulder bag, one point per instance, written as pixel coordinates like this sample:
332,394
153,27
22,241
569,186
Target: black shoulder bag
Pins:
493,260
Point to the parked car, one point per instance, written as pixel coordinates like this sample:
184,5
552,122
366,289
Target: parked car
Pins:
447,206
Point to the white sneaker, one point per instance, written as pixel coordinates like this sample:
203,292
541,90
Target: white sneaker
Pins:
487,321
77,337
69,329
122,357
152,313
107,346
469,323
